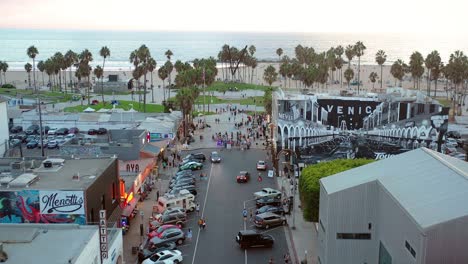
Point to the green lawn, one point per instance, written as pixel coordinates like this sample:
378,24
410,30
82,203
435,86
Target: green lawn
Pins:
150,108
207,98
221,86
443,101
46,95
248,101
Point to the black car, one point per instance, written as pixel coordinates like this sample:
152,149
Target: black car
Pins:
62,131
32,144
196,156
268,201
16,129
271,209
151,249
20,136
250,238
33,129
92,131
102,131
214,157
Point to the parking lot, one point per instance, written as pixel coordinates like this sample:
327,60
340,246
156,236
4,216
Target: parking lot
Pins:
221,201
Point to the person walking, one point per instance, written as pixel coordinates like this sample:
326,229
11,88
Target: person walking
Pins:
203,224
251,215
200,223
287,258
197,208
189,235
270,261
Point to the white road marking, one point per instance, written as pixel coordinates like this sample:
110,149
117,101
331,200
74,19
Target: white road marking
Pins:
202,212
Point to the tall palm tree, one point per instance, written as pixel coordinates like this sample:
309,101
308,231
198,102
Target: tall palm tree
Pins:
349,75
397,70
4,70
1,66
28,68
339,50
99,73
416,67
252,50
185,99
32,53
373,77
432,61
71,58
279,52
270,75
349,52
86,57
436,72
169,67
162,74
359,49
41,68
380,58
104,52
151,67
457,69
144,55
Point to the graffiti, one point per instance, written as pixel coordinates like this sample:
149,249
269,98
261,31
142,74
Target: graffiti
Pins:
62,202
24,207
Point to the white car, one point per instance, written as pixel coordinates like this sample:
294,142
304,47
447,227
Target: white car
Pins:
268,192
451,142
70,136
165,257
261,165
52,131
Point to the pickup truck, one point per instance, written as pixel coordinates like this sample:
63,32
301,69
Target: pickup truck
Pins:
267,192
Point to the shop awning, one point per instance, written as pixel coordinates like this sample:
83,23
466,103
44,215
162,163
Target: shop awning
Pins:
127,211
151,149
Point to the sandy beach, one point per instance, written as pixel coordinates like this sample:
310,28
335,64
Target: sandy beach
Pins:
19,78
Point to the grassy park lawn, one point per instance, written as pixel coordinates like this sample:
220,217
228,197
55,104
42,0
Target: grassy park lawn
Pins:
444,101
221,86
126,105
29,93
214,100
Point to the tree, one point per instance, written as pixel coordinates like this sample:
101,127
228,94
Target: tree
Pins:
41,68
432,62
162,74
85,70
4,69
151,68
309,182
185,99
457,71
169,68
284,69
380,58
339,61
397,70
253,60
267,100
104,52
349,52
270,75
416,68
373,77
279,52
71,59
28,68
144,55
359,49
32,53
58,61
99,73
349,75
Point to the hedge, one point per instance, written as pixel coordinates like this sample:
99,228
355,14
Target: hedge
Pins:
8,86
309,186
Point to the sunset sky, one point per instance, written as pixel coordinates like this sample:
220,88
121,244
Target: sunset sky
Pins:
240,15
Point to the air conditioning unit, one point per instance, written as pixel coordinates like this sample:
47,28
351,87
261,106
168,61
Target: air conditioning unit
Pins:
47,164
17,166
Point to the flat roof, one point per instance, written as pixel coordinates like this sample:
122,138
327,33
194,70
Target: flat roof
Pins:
430,186
45,243
61,176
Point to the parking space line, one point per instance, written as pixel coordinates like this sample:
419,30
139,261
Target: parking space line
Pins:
202,213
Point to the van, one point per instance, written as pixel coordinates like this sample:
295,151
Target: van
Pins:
183,199
250,238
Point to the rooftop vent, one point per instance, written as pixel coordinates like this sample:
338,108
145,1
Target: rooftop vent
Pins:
24,180
17,166
76,176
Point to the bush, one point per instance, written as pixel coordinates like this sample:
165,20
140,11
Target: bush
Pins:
8,86
309,186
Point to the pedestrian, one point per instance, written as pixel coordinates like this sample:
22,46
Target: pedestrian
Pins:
189,234
270,261
287,258
259,179
198,209
200,223
244,213
251,214
203,224
157,195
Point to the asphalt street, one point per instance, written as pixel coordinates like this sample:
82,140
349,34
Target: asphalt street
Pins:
221,201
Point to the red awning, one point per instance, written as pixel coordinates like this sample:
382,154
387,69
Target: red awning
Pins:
127,211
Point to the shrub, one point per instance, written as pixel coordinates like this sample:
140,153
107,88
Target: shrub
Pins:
8,86
309,186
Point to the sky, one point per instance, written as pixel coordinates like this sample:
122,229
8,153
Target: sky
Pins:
435,16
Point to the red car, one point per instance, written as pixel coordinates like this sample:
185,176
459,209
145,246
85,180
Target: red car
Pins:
243,176
158,232
95,102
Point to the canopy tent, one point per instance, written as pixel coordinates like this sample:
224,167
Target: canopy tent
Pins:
89,110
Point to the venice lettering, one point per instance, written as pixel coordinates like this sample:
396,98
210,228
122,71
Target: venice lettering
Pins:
351,110
68,204
379,156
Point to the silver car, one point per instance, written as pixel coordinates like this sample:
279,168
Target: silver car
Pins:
170,235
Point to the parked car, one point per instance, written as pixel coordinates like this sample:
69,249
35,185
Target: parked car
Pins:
44,143
172,219
92,131
270,209
267,220
182,176
451,142
160,230
52,144
191,166
30,138
173,235
250,238
62,131
183,173
174,210
21,136
182,181
45,130
33,129
16,129
31,144
151,249
94,102
165,257
189,188
15,142
199,156
267,192
244,176
52,131
214,157
453,134
261,165
73,130
102,131
268,201
70,136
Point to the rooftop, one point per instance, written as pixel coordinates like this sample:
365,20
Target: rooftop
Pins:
33,243
59,176
430,186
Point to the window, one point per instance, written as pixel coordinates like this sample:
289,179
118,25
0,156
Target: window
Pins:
370,226
410,249
358,236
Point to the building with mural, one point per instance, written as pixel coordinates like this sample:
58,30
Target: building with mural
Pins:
56,190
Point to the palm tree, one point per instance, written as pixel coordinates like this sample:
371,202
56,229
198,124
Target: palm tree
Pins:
99,73
41,68
162,74
71,58
1,65
397,70
85,58
252,50
28,68
184,99
373,77
339,65
435,75
457,69
144,55
58,60
349,75
151,67
416,67
349,52
380,58
32,53
104,52
270,75
169,67
279,52
432,61
4,70
359,49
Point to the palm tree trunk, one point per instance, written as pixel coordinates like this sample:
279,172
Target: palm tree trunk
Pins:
152,88
144,96
34,73
164,91
359,75
435,88
381,77
169,91
71,83
65,80
29,79
102,80
89,89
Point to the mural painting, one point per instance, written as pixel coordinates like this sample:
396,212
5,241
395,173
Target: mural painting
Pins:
25,207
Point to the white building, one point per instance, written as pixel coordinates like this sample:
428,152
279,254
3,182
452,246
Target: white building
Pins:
409,208
4,133
58,244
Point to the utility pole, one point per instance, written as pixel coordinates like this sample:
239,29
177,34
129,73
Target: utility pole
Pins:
204,97
40,119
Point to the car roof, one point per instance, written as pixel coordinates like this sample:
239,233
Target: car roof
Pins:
266,214
261,161
248,232
214,152
243,172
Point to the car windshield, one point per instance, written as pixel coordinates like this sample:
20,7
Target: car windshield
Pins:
243,173
160,229
261,163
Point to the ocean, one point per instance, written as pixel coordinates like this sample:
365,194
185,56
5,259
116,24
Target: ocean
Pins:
187,46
